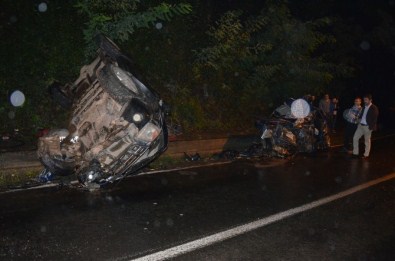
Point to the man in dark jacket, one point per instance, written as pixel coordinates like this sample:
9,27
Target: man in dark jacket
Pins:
367,124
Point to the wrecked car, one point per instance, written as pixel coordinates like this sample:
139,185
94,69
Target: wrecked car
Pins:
117,123
294,127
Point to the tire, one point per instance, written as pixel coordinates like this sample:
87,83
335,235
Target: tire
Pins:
113,86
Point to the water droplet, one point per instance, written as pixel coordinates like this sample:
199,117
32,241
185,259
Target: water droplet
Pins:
13,19
42,7
164,181
159,25
17,98
169,222
109,199
365,45
43,229
11,115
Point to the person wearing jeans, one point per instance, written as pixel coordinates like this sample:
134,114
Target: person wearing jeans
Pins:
366,126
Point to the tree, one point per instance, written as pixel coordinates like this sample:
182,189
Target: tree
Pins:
119,19
40,47
253,64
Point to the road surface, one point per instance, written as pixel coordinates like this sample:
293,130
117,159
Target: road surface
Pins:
324,206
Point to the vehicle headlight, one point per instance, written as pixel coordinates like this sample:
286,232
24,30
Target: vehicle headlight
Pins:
138,117
125,78
148,133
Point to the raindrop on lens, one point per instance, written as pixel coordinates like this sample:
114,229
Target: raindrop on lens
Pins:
169,222
11,115
13,19
164,181
42,7
159,25
43,229
17,98
338,180
365,45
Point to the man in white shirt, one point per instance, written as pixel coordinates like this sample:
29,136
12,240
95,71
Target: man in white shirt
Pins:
367,124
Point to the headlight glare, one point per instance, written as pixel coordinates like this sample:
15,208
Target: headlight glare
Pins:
148,133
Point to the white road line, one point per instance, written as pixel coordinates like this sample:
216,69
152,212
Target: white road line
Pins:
239,230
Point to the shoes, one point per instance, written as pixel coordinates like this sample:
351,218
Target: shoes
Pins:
365,157
353,156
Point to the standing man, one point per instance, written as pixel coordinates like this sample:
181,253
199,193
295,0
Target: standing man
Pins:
366,126
352,118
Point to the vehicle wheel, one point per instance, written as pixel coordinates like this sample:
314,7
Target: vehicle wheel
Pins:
118,83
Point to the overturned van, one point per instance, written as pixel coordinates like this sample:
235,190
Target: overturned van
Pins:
117,123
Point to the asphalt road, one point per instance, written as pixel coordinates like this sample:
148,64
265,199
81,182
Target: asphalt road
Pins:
147,214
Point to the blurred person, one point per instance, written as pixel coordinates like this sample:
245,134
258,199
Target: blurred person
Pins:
351,117
324,106
333,110
367,124
312,100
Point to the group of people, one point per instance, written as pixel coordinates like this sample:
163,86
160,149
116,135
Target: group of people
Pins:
361,120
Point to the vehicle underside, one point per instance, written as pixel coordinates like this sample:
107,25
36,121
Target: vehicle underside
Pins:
117,123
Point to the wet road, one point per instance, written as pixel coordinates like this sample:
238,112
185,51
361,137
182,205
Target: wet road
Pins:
149,213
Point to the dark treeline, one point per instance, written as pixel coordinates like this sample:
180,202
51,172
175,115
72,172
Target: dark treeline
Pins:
218,64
